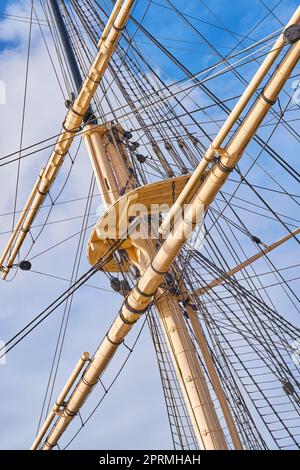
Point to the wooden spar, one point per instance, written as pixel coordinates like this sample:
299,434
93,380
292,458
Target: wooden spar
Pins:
138,300
72,123
108,161
177,337
245,263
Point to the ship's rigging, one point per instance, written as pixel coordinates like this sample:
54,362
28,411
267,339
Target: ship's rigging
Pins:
167,133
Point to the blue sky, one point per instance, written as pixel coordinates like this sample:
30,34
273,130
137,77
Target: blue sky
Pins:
25,375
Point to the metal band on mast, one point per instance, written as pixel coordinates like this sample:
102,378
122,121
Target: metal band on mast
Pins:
68,49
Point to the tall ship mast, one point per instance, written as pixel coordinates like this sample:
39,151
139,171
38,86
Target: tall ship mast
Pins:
194,185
